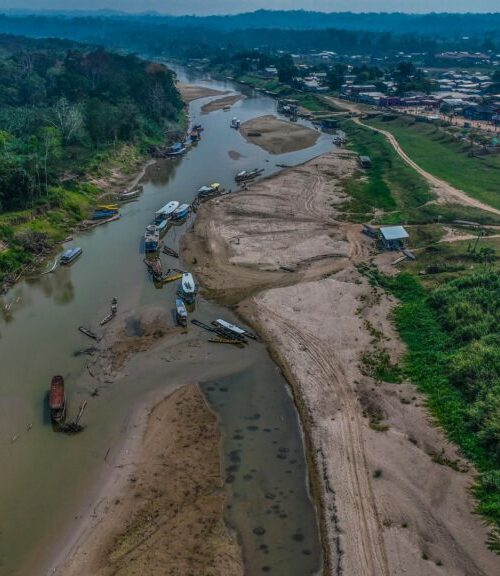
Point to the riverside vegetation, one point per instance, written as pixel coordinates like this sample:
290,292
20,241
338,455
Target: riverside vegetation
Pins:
69,115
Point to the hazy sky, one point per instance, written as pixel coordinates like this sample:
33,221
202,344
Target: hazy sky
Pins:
231,6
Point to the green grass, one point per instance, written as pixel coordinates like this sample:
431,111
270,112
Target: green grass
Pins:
436,351
440,154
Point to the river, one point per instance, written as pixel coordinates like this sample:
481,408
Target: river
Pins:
46,476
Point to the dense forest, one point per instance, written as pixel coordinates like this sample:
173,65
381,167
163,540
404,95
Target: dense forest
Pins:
58,105
191,37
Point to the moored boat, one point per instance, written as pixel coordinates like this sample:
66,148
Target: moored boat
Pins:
187,288
233,328
166,211
103,214
181,314
248,174
181,212
235,123
162,227
151,238
57,399
70,255
194,136
112,207
198,128
176,149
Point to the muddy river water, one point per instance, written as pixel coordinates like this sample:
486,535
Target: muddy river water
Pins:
44,476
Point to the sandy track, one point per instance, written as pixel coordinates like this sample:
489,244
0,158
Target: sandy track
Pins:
416,517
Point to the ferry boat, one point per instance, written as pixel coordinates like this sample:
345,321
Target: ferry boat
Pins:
235,123
181,314
187,288
181,212
151,238
70,255
57,399
248,174
165,212
176,149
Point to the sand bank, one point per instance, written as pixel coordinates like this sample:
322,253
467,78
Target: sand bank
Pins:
279,251
221,103
190,92
278,136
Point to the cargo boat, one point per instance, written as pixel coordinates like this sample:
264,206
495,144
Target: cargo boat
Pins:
181,314
57,399
151,238
70,255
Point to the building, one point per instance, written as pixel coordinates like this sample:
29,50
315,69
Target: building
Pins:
393,237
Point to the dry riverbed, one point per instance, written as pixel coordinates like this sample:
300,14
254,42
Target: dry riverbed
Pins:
190,92
279,252
278,136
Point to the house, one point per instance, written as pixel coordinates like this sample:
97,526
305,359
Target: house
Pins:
393,237
479,113
365,161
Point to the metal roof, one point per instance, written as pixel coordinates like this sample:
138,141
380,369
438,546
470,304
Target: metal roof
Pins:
393,233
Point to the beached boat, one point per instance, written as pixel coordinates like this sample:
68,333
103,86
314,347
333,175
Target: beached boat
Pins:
181,212
166,211
112,313
235,123
181,314
112,207
57,399
198,128
70,255
162,226
88,333
187,288
103,214
226,108
211,190
131,195
170,252
155,267
248,174
233,328
151,238
176,149
194,136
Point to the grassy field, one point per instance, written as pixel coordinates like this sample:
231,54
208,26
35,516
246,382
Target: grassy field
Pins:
443,156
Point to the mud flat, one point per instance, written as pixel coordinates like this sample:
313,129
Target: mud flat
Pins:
279,252
278,136
190,92
221,103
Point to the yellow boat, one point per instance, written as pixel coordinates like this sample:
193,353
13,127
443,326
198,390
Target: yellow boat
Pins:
172,277
215,186
108,207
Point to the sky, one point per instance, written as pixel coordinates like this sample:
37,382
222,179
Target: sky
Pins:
203,7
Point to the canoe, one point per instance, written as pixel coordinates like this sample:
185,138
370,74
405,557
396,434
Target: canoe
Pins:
57,399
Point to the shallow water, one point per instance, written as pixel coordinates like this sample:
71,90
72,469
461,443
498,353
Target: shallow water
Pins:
45,476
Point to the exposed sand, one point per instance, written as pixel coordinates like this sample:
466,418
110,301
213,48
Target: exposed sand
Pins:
278,136
190,92
221,103
320,316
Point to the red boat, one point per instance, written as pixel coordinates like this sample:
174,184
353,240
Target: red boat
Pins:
57,399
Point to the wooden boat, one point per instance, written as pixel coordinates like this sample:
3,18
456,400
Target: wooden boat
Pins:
112,314
187,288
198,128
226,108
166,211
57,399
126,196
194,136
155,267
151,238
181,314
248,174
103,214
171,278
170,252
181,212
70,255
163,226
88,332
108,207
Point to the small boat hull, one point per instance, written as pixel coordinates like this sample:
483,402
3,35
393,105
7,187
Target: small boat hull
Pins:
57,400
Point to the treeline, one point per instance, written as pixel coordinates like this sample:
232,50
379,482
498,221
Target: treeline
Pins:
59,104
169,37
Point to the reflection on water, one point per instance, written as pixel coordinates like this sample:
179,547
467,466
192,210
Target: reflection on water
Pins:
46,475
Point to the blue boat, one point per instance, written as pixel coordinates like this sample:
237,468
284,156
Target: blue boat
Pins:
162,226
70,255
103,214
181,212
176,149
151,238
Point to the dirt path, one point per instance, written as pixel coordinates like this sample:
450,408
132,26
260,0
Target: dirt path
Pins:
279,252
445,191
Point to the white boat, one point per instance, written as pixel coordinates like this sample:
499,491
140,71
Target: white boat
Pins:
162,226
187,287
235,123
166,211
231,327
181,312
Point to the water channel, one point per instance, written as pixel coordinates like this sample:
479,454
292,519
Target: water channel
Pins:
45,476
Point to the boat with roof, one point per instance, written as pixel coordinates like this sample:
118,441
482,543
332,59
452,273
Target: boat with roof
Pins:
166,211
187,288
70,255
151,238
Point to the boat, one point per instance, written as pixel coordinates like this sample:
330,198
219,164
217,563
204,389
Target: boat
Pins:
233,328
155,267
194,136
187,288
181,314
176,149
151,238
171,278
211,190
112,207
103,214
170,252
248,174
131,195
166,211
70,255
235,123
88,333
57,399
162,227
198,128
181,212
112,314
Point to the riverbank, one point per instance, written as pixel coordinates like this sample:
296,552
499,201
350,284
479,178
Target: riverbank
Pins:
278,136
281,255
167,513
